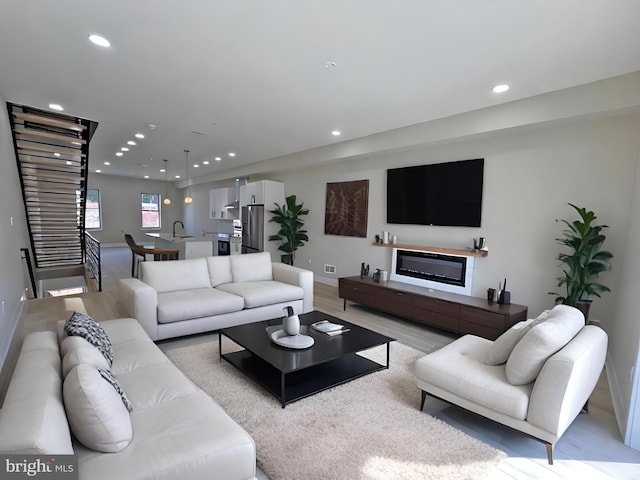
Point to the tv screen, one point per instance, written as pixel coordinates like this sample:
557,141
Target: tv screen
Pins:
444,194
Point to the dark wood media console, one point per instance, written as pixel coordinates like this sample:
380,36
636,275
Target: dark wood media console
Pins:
449,311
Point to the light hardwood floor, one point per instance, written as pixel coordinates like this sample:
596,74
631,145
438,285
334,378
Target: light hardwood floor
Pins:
591,448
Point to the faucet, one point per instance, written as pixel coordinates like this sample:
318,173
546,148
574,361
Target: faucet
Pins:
174,226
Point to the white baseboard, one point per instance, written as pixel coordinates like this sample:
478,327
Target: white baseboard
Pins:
620,408
333,281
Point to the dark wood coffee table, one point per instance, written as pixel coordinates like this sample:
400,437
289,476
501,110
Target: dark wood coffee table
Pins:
291,374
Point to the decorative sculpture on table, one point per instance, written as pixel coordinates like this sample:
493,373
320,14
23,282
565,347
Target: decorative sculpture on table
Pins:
291,322
288,334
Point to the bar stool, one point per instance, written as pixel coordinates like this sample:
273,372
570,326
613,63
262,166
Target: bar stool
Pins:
159,254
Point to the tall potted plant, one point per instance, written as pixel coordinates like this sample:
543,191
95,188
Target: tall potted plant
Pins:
291,234
584,262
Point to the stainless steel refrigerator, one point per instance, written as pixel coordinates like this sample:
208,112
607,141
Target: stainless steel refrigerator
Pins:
253,228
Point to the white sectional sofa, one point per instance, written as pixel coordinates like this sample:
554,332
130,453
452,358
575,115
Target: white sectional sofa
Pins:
535,378
174,430
176,298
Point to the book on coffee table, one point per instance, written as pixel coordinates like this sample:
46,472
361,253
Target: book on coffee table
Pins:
329,328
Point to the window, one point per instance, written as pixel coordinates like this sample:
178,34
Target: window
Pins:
93,216
150,210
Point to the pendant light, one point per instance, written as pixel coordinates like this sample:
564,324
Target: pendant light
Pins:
167,200
188,198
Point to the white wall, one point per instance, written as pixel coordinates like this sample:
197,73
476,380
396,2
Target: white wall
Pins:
12,238
622,368
120,199
530,175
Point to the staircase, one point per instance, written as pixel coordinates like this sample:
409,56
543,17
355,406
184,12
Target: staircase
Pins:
52,154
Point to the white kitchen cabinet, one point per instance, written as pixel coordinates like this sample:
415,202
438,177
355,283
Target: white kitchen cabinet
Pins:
197,249
218,199
264,192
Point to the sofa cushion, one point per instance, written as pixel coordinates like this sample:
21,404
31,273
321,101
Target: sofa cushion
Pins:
542,341
459,368
196,303
258,294
76,350
251,267
219,270
171,276
33,419
81,325
505,343
97,416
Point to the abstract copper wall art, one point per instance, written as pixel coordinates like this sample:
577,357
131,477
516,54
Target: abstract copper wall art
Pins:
346,208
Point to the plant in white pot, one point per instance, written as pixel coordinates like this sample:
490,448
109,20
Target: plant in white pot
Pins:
584,261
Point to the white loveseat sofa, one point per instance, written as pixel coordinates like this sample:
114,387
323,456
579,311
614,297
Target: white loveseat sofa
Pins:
182,297
174,431
535,378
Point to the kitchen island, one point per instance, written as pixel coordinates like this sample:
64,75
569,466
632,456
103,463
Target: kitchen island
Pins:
188,246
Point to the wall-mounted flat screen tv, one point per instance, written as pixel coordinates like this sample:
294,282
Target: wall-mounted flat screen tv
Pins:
445,194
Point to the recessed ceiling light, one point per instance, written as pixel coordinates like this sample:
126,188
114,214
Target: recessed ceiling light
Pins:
177,176
131,142
99,40
206,162
119,154
56,106
336,133
56,154
98,171
107,162
231,154
146,176
218,159
162,170
501,88
69,162
125,149
139,135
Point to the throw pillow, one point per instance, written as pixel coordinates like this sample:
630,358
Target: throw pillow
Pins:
108,376
541,342
86,327
97,416
505,343
76,350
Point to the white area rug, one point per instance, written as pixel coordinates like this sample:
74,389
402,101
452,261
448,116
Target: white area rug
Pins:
369,428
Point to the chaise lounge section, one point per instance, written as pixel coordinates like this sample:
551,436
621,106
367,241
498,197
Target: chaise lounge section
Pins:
58,404
535,378
183,297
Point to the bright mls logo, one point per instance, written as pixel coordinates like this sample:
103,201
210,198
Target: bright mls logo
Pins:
61,467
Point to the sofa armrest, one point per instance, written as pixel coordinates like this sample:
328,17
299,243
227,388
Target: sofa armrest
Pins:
140,301
567,380
296,276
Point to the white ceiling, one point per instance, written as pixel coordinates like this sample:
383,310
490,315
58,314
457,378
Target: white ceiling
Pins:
253,74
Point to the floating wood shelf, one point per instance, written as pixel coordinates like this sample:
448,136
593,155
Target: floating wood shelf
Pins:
423,248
